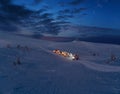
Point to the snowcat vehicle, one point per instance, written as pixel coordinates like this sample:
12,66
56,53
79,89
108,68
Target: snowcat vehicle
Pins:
66,54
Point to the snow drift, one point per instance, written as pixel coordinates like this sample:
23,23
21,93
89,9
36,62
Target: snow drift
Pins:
42,72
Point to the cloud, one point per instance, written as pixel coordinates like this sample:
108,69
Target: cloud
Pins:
62,22
41,21
71,11
76,2
10,15
71,2
41,10
84,14
35,2
8,27
64,11
46,15
79,10
16,11
62,4
12,12
5,2
64,17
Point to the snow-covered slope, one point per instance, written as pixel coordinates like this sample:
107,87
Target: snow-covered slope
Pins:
42,72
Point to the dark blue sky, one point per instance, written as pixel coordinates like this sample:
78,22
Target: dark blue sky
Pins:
101,13
49,15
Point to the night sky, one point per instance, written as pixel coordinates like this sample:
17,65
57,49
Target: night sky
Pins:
51,14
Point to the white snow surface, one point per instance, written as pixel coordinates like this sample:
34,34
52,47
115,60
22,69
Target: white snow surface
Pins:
43,72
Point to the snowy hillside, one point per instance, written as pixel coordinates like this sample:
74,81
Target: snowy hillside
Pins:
28,66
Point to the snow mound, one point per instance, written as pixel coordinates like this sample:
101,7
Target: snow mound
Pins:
28,66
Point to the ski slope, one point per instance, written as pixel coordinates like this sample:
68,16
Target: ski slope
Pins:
43,72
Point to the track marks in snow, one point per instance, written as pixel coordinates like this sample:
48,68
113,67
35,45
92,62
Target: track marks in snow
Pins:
95,66
100,67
